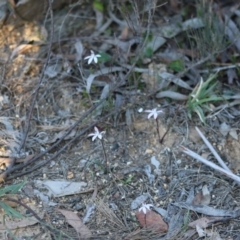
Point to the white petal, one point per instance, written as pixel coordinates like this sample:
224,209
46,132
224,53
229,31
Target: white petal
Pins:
90,60
96,130
95,59
150,115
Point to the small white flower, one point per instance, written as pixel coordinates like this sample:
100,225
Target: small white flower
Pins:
145,208
140,110
96,134
93,57
153,113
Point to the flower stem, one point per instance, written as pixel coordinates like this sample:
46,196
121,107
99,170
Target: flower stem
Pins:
169,127
158,131
105,155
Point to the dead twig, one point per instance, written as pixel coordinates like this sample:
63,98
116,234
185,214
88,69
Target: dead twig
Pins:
27,127
209,145
224,169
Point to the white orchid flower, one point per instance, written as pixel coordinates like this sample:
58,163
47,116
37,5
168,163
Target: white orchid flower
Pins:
153,113
96,134
145,208
93,57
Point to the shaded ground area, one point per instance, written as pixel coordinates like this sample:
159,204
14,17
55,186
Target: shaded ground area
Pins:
166,56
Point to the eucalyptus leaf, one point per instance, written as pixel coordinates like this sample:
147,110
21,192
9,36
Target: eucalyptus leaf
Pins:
172,95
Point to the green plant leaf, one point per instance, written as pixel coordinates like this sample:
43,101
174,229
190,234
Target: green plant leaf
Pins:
104,57
148,52
203,94
98,5
210,99
12,189
186,221
200,113
176,65
10,211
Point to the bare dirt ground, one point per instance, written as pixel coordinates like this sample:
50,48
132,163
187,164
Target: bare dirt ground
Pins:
76,188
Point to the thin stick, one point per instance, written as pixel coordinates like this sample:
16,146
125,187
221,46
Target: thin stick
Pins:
169,127
220,161
210,164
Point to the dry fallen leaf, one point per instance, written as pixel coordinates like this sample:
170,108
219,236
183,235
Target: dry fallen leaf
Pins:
152,220
76,223
204,222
